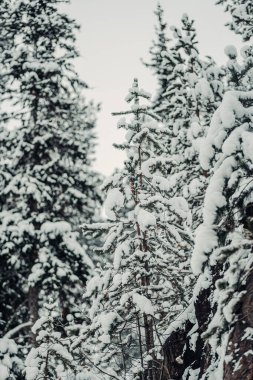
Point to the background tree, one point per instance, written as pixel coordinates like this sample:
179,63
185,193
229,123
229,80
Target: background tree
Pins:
193,91
143,289
49,185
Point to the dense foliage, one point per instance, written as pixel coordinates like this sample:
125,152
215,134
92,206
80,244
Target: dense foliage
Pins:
160,286
48,187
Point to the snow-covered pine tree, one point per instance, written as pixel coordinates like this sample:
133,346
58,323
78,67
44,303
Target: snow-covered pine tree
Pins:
11,299
223,250
194,90
219,340
158,51
49,186
241,13
146,286
196,94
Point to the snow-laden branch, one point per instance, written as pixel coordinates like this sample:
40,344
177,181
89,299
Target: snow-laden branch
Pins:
16,329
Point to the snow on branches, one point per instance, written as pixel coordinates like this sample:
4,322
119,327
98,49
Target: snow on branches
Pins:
143,288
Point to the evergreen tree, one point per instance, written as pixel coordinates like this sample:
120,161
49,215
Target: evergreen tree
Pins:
223,251
218,334
194,90
143,289
194,95
49,187
223,248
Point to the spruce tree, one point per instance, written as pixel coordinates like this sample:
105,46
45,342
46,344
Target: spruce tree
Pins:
219,340
135,296
49,187
223,250
194,90
194,95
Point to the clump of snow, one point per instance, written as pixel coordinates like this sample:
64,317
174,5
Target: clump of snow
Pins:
223,120
121,249
114,201
206,236
231,51
228,309
194,130
203,89
145,219
206,240
233,141
56,228
247,145
4,372
93,284
143,304
117,280
125,277
38,324
122,122
180,206
106,320
194,186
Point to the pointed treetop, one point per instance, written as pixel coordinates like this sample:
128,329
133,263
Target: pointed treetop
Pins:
186,40
160,28
159,12
135,92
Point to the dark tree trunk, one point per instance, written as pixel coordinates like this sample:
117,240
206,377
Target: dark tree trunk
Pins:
33,296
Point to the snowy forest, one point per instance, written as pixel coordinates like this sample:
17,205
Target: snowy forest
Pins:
146,274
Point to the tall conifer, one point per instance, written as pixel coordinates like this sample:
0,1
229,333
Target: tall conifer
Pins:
49,187
143,289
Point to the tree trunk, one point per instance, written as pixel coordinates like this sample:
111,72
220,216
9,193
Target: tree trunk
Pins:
33,296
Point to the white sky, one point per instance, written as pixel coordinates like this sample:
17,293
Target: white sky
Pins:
114,35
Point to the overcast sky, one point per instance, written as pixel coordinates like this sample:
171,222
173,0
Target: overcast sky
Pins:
114,35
